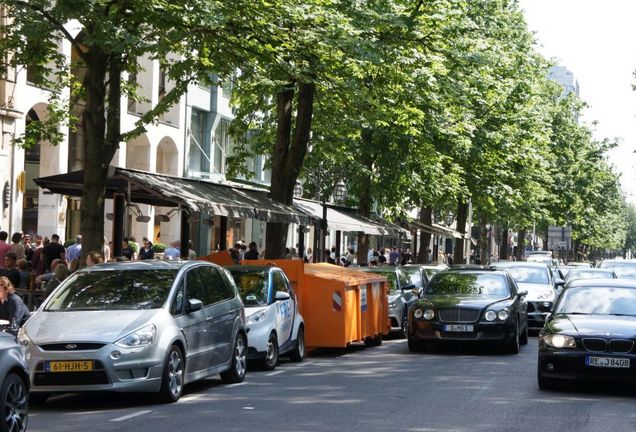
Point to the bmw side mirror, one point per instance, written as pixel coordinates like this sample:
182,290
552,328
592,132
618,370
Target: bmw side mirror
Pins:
194,305
521,294
281,296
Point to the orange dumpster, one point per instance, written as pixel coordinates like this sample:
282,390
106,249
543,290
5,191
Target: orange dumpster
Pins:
339,305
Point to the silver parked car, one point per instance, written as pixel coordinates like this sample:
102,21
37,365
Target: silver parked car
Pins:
537,279
147,326
401,294
14,387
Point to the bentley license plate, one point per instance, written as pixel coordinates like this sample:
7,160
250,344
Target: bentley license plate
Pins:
607,362
458,328
69,366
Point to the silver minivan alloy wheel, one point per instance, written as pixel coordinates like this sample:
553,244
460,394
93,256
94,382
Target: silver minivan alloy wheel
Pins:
175,372
240,357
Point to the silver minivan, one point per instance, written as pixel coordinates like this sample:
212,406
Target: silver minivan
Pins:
146,326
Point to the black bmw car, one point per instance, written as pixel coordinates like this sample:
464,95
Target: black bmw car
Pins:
470,306
590,335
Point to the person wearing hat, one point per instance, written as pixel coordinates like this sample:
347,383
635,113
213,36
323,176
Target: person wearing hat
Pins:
75,251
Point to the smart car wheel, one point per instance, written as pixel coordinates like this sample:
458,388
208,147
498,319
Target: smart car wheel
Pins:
271,356
172,383
14,404
236,373
298,354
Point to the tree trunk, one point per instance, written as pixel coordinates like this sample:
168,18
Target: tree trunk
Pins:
98,153
289,153
503,248
521,243
426,217
484,252
364,202
462,215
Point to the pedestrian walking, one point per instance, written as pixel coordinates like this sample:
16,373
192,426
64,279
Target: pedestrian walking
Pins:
75,251
252,253
16,245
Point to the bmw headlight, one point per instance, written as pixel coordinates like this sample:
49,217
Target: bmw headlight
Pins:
548,294
417,313
257,316
143,337
23,339
559,341
490,315
429,314
503,315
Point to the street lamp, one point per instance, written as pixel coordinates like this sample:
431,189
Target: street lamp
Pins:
340,192
298,190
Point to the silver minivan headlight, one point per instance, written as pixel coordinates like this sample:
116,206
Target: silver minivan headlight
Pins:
143,337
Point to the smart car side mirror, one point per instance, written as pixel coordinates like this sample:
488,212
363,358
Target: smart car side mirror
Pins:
194,305
521,294
281,296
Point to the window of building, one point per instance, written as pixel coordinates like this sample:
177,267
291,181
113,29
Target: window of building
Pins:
222,146
199,146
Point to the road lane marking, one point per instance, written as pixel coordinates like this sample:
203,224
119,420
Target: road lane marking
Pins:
278,372
129,416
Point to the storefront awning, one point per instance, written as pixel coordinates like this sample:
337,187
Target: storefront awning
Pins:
192,194
345,220
436,229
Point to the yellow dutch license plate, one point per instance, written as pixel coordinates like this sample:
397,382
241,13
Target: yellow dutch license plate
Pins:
69,366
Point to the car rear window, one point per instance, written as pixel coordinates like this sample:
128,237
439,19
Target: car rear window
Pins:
474,284
598,301
113,290
537,275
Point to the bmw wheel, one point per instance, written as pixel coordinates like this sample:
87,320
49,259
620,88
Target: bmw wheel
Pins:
238,366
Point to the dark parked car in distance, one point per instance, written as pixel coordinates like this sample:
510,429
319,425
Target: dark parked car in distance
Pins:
470,306
590,335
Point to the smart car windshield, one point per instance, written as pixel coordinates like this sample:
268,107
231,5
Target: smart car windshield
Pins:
527,274
253,286
473,284
598,301
113,290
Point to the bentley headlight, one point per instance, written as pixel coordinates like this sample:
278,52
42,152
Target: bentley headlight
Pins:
143,337
503,315
490,315
417,313
429,314
559,341
257,317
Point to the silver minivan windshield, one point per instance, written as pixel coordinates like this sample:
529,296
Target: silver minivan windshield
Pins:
113,290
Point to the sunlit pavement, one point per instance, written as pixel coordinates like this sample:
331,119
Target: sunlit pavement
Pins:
362,389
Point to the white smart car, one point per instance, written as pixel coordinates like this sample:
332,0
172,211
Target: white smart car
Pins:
275,326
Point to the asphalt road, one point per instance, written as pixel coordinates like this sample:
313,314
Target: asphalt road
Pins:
384,388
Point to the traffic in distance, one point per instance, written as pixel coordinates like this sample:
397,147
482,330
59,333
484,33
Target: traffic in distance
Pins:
156,326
